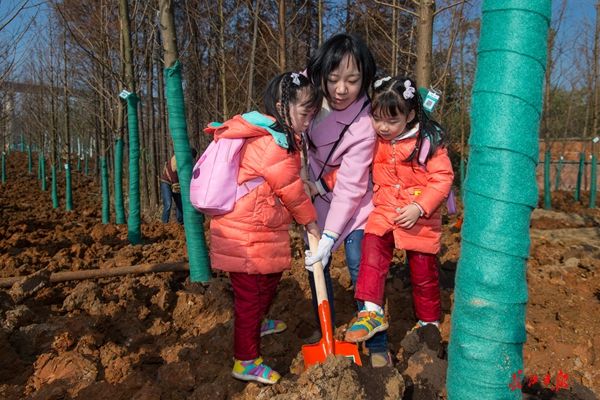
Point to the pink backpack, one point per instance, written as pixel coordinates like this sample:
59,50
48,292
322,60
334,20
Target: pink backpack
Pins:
213,187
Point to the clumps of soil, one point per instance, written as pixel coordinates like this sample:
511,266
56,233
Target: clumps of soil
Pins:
423,360
338,378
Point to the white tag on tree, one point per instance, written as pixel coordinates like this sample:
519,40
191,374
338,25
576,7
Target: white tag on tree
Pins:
124,93
430,100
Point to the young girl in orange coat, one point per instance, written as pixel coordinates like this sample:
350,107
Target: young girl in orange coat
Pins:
252,242
412,176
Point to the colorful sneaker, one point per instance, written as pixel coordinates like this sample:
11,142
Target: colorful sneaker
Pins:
254,370
367,325
380,360
270,326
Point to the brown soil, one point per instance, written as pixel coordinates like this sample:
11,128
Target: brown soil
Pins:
160,337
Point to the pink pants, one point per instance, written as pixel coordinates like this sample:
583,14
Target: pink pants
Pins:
252,297
377,252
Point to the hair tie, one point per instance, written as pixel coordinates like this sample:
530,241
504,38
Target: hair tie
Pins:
409,91
295,78
379,82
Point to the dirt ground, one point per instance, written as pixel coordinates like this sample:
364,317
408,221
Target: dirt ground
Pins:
158,336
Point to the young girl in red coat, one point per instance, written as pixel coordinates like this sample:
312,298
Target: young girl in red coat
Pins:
412,176
252,241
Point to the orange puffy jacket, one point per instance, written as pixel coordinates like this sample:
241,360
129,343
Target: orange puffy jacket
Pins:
398,183
254,238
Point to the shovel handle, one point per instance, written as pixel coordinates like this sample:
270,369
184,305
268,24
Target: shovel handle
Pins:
313,244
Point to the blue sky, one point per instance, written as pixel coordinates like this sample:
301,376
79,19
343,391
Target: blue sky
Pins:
578,14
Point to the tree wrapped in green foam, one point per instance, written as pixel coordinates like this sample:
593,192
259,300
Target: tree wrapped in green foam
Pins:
488,320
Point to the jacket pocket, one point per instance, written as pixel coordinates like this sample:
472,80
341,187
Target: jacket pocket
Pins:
273,213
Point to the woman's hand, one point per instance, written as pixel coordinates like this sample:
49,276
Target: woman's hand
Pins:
408,216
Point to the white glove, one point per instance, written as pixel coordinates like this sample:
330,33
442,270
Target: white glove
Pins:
323,250
307,254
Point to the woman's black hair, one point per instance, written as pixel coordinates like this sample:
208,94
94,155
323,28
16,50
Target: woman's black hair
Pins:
285,89
388,100
329,56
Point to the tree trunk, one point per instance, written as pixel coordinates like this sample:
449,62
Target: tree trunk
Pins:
250,95
596,116
282,38
424,42
194,230
134,233
68,193
222,68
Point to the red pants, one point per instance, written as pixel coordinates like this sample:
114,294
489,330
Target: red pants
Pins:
252,297
377,252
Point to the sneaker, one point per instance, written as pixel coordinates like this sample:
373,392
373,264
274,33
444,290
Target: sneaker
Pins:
380,360
254,370
270,326
421,324
367,325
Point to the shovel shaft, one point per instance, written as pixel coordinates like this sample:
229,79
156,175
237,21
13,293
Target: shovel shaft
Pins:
313,244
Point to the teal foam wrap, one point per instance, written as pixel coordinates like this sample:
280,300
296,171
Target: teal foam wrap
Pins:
43,172
85,164
500,192
68,192
119,207
194,230
39,168
3,168
105,194
558,171
593,182
29,162
54,191
547,195
577,195
134,225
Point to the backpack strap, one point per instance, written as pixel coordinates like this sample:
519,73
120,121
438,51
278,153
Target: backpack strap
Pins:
246,187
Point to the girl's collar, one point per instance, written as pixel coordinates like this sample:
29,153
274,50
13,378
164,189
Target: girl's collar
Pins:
407,135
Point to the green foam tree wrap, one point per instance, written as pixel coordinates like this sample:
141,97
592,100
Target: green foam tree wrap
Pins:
3,168
54,192
29,162
78,164
39,168
119,207
194,229
580,171
43,172
134,225
558,171
488,319
105,194
68,191
547,189
593,182
85,164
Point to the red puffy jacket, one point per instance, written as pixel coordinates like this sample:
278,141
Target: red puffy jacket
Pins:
254,238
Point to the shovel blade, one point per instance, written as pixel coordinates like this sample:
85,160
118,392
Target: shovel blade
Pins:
318,352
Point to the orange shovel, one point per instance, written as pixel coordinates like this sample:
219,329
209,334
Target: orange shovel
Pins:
318,352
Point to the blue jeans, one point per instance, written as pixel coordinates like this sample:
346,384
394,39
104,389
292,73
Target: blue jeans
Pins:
352,248
168,198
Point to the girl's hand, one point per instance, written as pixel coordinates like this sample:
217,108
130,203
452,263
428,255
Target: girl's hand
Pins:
311,189
408,216
313,229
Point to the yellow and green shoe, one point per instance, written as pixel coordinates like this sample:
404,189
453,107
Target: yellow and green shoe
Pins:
367,324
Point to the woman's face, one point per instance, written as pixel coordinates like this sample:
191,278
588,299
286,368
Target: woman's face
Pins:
344,83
